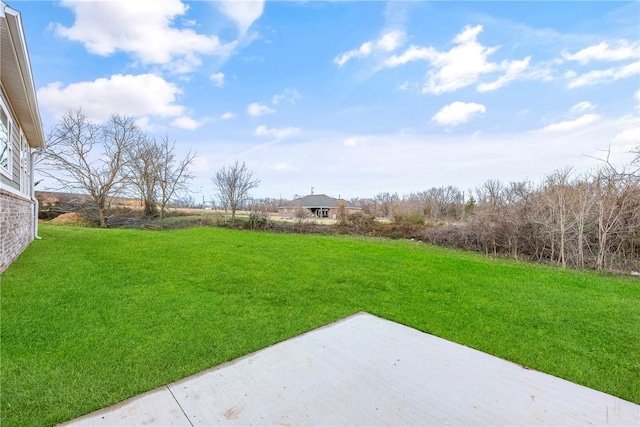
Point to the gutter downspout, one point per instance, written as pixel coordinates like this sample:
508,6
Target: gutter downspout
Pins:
36,206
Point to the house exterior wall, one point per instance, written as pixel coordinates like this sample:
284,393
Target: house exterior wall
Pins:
16,226
315,205
288,212
17,211
15,169
20,132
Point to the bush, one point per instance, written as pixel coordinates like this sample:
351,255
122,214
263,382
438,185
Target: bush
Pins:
258,220
408,219
357,223
360,223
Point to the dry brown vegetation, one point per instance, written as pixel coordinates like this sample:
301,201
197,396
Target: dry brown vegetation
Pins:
573,220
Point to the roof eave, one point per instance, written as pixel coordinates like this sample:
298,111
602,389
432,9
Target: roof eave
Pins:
24,89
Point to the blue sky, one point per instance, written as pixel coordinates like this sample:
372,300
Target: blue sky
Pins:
352,98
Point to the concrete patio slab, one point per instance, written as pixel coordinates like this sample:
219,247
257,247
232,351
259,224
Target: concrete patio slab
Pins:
365,370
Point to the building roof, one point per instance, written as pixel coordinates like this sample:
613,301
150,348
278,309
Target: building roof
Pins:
318,201
16,76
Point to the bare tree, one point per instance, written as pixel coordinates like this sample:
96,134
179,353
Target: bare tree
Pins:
559,192
385,202
585,199
635,163
173,175
156,174
142,169
91,158
233,183
615,200
343,214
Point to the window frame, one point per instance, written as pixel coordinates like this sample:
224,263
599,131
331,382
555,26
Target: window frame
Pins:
8,170
25,165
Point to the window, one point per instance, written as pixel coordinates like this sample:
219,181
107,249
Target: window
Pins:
25,163
5,143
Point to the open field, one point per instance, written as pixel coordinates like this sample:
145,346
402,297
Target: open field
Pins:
92,316
192,215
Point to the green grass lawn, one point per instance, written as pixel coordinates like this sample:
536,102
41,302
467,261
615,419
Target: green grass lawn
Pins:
91,317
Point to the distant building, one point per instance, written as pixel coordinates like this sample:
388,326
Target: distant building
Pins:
20,132
318,205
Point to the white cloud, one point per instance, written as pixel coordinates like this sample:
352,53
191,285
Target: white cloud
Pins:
217,79
570,125
278,133
201,165
457,113
132,95
256,110
542,71
284,167
391,40
628,136
187,123
289,95
144,123
365,50
513,70
227,116
583,106
605,52
242,12
413,53
355,141
602,76
388,42
462,65
142,28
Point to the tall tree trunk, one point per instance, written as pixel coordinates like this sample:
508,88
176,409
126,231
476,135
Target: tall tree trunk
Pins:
580,243
149,208
103,217
101,204
602,238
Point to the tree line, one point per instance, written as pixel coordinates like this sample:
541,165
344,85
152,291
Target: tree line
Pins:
589,220
115,158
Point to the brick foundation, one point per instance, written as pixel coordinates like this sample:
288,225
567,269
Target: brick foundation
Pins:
16,227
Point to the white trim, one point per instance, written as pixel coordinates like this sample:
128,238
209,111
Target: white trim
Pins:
8,170
13,191
32,195
25,167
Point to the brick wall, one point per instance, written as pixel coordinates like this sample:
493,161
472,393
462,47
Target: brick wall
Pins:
16,227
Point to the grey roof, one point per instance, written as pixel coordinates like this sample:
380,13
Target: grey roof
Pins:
318,201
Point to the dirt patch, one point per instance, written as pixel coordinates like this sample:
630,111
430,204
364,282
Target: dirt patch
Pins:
71,218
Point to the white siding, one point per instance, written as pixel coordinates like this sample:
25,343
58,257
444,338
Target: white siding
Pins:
15,170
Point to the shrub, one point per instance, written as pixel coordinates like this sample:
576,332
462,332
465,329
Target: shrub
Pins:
408,219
